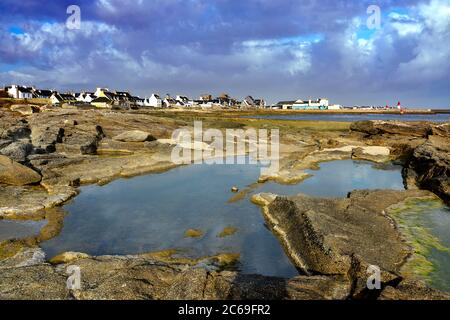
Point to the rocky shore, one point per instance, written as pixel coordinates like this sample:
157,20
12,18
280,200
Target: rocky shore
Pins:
46,154
423,148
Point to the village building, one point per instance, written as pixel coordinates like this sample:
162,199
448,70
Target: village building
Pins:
85,97
20,92
136,101
42,94
102,102
285,105
320,104
60,98
249,102
154,101
169,102
335,107
183,101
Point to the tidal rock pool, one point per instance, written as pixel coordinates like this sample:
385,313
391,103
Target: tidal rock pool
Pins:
189,208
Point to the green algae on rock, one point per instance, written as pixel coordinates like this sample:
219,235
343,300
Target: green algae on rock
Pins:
193,233
227,231
410,216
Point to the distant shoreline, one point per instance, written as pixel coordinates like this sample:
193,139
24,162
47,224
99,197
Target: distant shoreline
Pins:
351,111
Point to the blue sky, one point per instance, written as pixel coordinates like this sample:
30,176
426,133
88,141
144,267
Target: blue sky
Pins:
282,49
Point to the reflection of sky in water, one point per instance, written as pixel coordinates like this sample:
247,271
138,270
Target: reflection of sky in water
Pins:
19,229
151,213
337,178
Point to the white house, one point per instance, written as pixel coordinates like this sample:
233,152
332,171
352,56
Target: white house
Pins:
334,107
285,105
56,98
319,104
85,97
102,102
88,97
182,101
154,101
253,103
19,92
169,102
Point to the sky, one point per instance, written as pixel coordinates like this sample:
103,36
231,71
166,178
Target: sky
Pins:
276,50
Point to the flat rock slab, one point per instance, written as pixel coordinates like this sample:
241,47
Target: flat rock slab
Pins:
327,236
377,127
26,201
14,173
134,136
345,237
141,277
24,109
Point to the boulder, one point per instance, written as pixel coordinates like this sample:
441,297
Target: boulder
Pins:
442,130
17,151
67,257
24,109
4,143
14,173
429,166
46,137
412,290
81,139
134,136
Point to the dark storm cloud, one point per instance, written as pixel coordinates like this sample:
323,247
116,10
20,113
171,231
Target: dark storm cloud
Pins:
279,49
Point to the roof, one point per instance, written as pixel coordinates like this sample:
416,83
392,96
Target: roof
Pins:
45,92
286,102
66,96
109,95
24,89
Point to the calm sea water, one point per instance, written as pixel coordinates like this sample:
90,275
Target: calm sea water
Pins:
151,213
357,117
19,229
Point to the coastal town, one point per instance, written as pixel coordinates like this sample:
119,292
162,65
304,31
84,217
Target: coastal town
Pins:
106,98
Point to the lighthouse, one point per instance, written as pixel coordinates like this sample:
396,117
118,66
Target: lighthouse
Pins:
399,106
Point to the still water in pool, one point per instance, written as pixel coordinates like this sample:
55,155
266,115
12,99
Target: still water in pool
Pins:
152,213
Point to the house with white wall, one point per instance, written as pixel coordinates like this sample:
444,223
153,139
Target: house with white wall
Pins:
154,101
249,102
319,104
102,102
20,92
